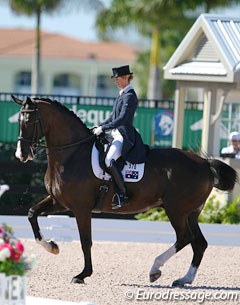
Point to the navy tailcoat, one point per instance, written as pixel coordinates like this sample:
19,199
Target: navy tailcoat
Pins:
121,118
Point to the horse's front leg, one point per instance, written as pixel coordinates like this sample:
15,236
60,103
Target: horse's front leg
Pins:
85,231
44,207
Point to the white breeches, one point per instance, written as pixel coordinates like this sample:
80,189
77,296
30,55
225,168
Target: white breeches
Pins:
115,149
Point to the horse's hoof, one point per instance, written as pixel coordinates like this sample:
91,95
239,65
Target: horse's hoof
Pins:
54,247
155,276
178,283
76,280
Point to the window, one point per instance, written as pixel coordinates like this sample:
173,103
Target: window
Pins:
66,84
22,82
106,86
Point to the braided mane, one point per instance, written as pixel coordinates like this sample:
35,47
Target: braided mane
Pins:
62,108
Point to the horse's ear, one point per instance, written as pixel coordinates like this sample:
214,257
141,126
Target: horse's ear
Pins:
29,100
17,100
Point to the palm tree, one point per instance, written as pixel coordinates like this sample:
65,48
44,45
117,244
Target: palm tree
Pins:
153,18
212,4
37,8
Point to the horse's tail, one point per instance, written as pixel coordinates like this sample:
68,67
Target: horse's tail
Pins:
225,176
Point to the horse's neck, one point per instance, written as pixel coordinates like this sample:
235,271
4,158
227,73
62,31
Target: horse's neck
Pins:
65,133
63,130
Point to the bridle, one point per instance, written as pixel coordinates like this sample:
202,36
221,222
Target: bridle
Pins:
35,141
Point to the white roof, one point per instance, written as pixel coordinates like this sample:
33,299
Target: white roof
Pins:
209,52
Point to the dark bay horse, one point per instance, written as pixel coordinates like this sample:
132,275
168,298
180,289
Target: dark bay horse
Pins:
174,179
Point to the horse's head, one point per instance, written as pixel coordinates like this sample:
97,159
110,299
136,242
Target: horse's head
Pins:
30,130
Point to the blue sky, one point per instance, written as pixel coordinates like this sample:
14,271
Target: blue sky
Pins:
75,23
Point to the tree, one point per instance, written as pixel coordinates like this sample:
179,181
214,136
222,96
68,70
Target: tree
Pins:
208,5
155,18
37,8
151,18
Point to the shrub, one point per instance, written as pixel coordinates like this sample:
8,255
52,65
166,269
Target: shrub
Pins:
156,214
232,211
213,212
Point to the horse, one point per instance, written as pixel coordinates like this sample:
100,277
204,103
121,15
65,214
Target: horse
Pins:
177,180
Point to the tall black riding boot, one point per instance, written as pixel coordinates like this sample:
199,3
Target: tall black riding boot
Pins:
120,198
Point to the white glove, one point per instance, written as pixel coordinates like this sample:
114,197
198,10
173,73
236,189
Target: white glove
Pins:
98,130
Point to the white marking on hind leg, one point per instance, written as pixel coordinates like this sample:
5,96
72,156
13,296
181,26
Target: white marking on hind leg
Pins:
189,277
161,259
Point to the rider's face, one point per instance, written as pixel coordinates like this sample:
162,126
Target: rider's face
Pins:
121,81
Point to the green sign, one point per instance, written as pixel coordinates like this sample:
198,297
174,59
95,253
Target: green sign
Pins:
9,122
154,124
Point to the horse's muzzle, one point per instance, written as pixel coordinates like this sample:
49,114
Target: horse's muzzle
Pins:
24,156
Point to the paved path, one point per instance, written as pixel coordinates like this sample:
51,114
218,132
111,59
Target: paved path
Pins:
64,228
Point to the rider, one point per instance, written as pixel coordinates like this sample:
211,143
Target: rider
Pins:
127,143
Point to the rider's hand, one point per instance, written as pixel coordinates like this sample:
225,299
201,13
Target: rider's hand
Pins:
98,130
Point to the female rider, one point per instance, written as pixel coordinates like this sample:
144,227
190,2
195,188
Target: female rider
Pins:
127,143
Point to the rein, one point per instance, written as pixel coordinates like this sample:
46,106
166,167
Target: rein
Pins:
35,141
62,147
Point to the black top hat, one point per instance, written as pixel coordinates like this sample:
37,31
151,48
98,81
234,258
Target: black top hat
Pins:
121,71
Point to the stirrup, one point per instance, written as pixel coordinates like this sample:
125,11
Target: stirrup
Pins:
119,200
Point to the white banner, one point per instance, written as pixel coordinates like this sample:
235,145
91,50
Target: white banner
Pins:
12,289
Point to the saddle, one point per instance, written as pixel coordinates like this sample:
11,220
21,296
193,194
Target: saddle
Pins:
131,172
103,143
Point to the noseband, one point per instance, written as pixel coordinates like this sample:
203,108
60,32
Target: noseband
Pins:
35,141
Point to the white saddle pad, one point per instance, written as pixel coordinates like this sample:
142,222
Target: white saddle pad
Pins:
131,172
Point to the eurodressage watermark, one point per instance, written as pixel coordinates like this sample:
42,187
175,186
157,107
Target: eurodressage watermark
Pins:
200,296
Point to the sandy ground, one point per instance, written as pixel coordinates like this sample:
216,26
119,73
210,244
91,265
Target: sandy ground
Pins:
121,271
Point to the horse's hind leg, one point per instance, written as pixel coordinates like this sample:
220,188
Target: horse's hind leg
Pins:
199,245
44,207
180,224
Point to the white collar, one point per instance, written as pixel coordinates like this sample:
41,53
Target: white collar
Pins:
126,89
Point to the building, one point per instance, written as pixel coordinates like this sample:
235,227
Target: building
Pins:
69,66
208,61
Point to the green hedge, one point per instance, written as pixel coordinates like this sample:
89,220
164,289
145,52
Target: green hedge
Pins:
213,212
